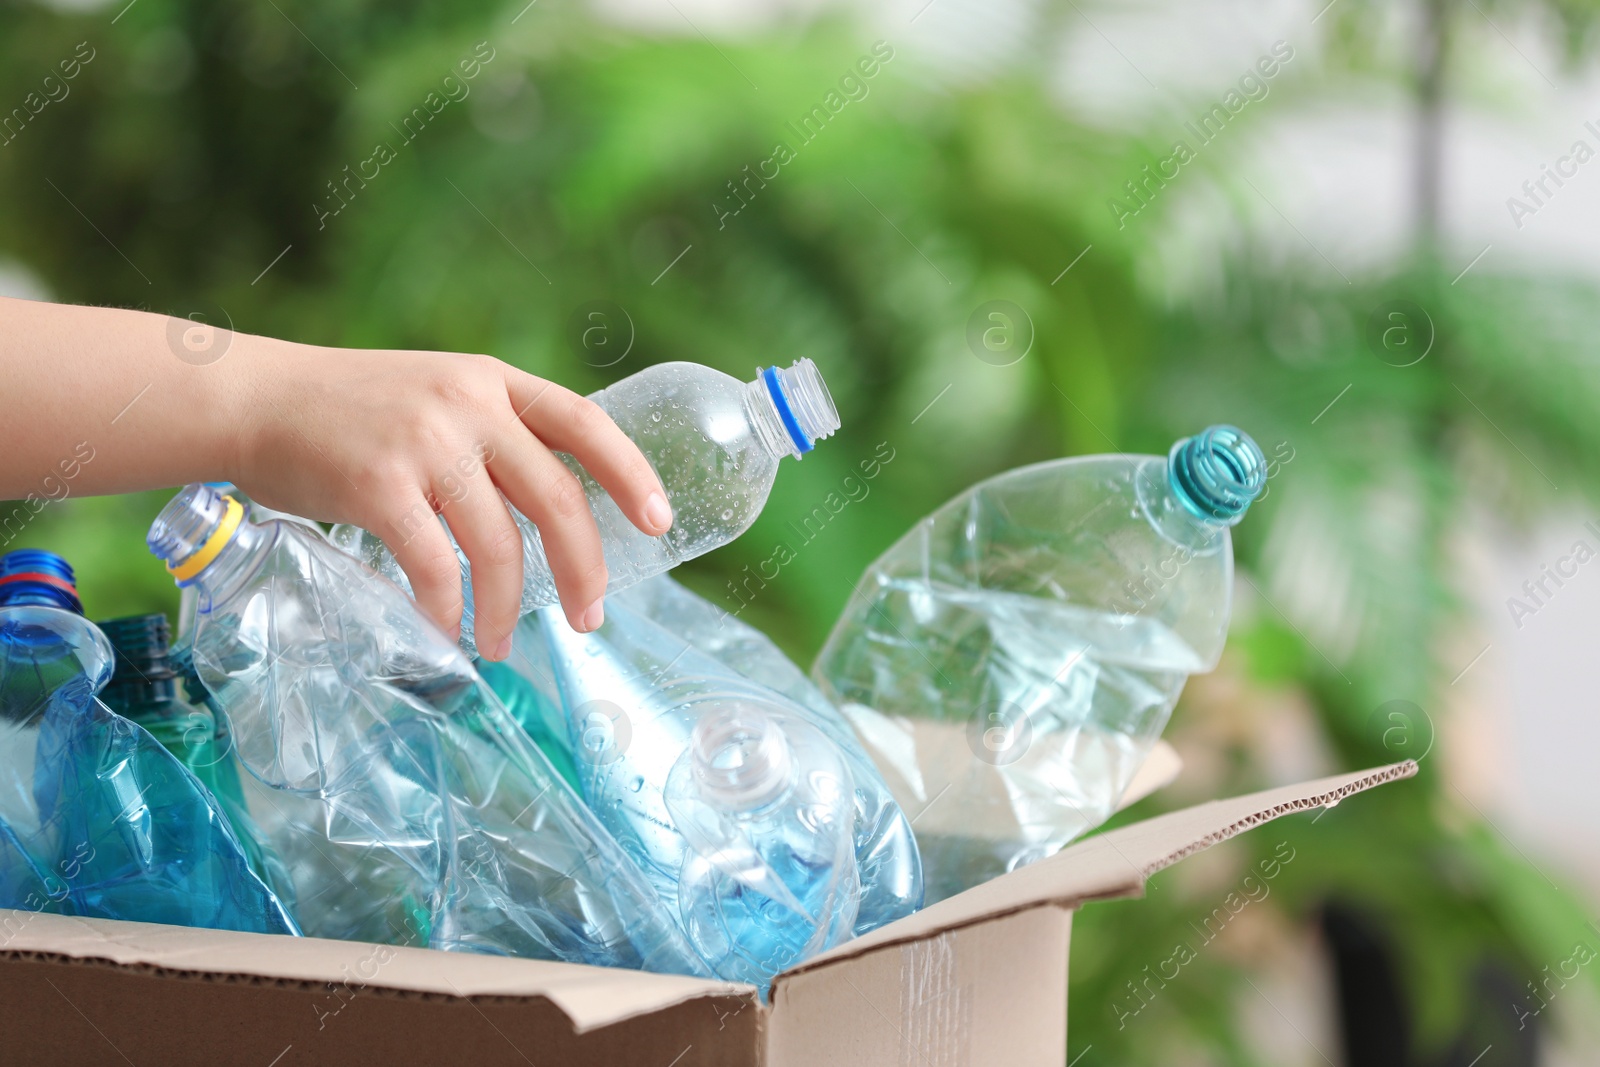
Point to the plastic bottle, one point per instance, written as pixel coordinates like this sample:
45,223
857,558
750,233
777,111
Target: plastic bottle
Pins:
96,817
144,689
1012,659
715,443
538,715
407,804
738,808
886,850
257,513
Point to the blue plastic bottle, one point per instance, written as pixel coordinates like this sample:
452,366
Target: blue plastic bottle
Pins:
740,810
886,850
99,819
407,804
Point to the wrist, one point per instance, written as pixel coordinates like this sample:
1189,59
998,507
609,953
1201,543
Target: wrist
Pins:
248,400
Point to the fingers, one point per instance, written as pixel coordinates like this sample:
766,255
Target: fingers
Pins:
546,491
423,551
493,544
567,422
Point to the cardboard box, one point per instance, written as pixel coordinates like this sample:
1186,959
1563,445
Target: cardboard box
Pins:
980,978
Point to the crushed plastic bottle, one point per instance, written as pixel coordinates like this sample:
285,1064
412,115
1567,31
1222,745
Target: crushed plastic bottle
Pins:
144,689
715,443
1014,657
97,819
740,810
406,803
258,513
886,849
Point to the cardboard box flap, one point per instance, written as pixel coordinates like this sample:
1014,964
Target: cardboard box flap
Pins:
591,997
1113,864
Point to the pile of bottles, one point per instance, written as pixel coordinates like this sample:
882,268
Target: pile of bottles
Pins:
312,756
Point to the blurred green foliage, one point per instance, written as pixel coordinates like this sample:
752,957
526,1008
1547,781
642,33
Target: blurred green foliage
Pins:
585,163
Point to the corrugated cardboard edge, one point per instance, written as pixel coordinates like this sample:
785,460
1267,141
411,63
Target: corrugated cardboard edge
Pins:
1110,865
590,997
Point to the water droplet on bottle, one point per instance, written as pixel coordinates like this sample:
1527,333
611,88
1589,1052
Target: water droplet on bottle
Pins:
726,515
655,416
637,784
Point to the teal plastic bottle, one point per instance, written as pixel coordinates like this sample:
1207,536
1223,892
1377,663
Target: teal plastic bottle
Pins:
145,687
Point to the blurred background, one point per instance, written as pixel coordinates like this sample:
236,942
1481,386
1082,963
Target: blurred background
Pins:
1006,231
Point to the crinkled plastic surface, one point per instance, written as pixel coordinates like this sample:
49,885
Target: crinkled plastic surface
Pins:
404,800
758,892
886,849
763,889
97,818
1011,660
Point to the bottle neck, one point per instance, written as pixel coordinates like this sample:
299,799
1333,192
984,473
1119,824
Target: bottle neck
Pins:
741,759
143,685
765,421
40,578
790,408
208,544
237,560
1205,485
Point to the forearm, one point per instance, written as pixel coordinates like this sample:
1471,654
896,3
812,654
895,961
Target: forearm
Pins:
117,401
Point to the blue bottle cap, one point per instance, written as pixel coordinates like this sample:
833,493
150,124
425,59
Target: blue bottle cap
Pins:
35,576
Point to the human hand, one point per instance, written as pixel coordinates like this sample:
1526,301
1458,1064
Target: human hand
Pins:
387,439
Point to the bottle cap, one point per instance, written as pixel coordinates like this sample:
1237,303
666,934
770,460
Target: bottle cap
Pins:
35,576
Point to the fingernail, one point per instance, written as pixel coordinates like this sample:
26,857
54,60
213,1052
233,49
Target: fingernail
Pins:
657,512
502,649
593,617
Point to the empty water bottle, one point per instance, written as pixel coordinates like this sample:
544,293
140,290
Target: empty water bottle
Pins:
886,849
407,804
96,817
738,808
715,443
258,513
1014,657
144,688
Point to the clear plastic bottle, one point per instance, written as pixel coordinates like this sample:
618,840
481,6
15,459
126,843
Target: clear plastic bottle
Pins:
257,513
715,443
1014,657
407,804
886,849
737,807
96,817
764,801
